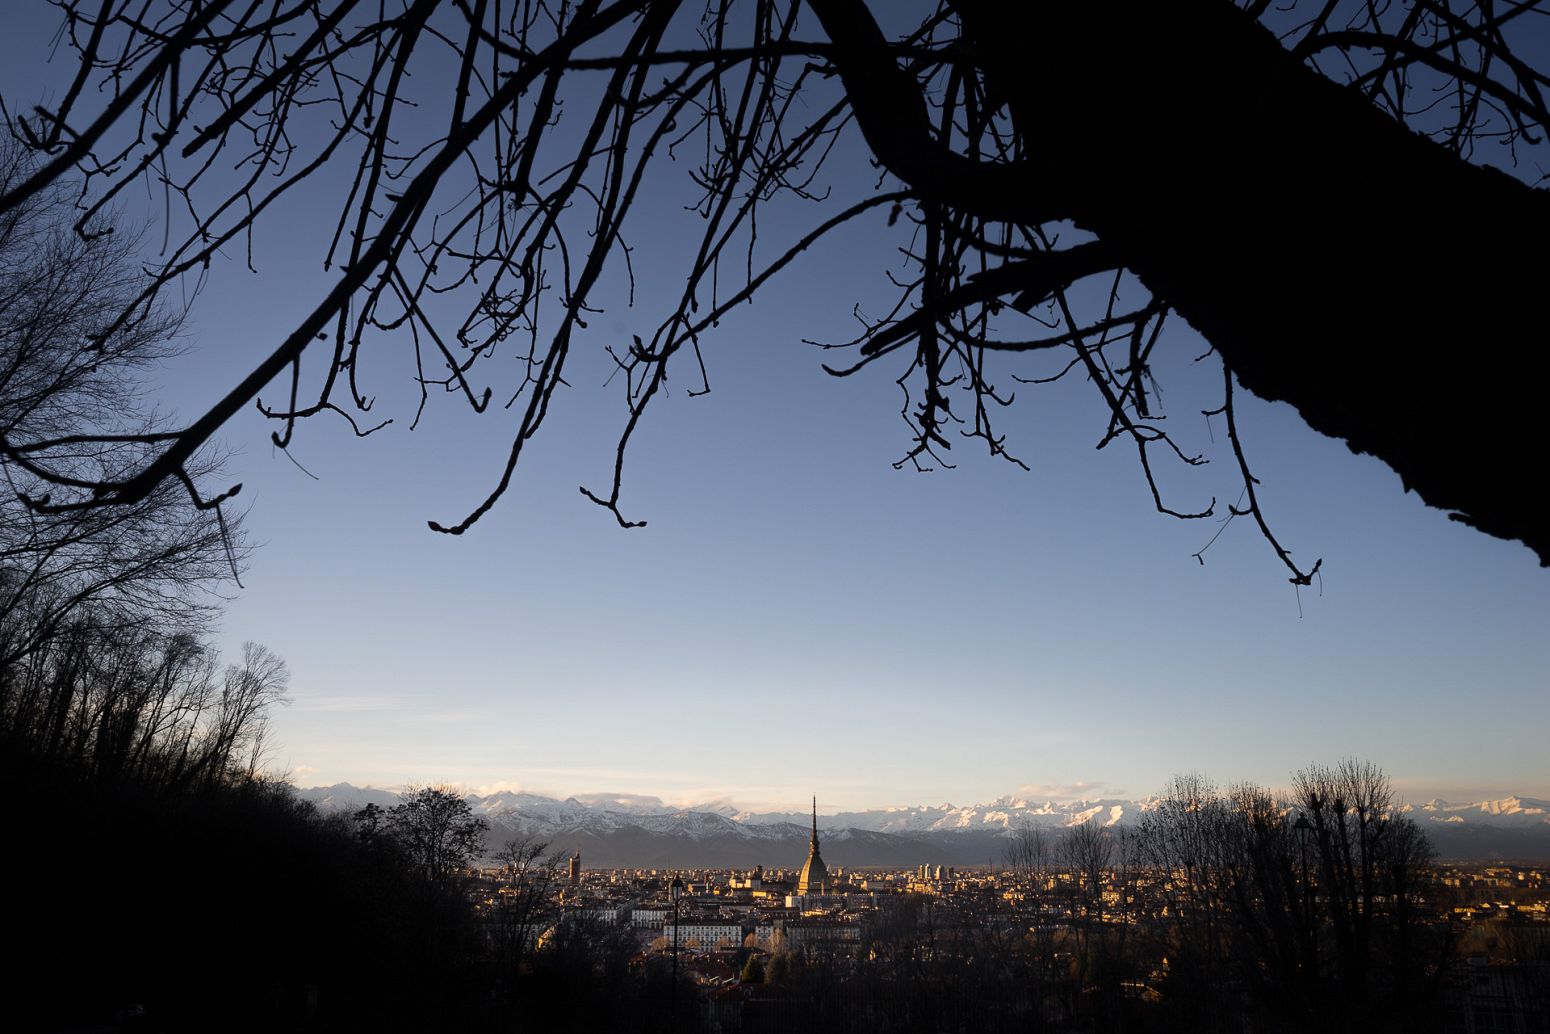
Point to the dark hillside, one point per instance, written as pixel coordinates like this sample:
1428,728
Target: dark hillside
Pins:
230,907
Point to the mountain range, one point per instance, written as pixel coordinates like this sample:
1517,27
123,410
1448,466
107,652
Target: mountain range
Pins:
635,830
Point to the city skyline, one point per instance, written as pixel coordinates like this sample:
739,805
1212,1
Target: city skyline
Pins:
614,830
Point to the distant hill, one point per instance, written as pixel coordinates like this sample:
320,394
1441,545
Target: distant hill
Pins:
633,830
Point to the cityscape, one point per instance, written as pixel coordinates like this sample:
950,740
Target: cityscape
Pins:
1185,917
739,935
774,516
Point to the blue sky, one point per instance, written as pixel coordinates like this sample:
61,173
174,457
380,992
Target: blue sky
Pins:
798,617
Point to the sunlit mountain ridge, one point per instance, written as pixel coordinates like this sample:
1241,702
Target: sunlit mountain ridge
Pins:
634,829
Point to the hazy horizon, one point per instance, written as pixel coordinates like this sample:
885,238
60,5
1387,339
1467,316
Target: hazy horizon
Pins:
1031,794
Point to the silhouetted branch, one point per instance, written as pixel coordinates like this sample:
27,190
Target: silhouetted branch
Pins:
491,157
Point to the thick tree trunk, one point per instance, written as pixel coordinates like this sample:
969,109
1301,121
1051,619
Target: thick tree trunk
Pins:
1394,294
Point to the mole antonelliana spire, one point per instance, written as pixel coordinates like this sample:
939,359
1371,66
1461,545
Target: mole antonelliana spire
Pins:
814,877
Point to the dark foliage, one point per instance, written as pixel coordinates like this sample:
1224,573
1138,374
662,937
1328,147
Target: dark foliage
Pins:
222,907
235,907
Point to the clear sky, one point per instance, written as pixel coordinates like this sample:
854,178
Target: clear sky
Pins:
799,617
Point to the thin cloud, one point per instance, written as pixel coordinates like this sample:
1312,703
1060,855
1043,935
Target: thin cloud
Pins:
1081,790
351,703
504,786
452,716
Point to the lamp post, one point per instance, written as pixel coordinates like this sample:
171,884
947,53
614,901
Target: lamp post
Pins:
1304,829
675,891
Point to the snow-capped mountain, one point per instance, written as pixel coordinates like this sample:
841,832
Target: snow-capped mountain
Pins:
631,829
1511,812
1000,815
342,797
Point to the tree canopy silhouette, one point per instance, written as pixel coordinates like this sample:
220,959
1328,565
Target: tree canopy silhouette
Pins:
1305,187
156,563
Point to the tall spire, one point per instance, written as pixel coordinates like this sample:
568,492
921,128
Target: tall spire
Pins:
814,876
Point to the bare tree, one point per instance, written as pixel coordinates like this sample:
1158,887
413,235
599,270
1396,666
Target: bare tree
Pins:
137,702
103,611
1306,905
1087,852
437,830
73,346
1190,144
1187,838
249,694
530,872
1029,854
1371,861
1032,858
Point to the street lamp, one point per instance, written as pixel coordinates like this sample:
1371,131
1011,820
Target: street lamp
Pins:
675,891
1304,830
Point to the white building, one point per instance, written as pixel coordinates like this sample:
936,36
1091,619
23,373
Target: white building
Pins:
651,918
705,933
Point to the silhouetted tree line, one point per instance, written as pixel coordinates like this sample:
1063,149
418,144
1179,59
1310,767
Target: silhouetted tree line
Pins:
105,662
139,703
1305,911
157,876
530,966
236,907
228,906
152,866
1232,911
